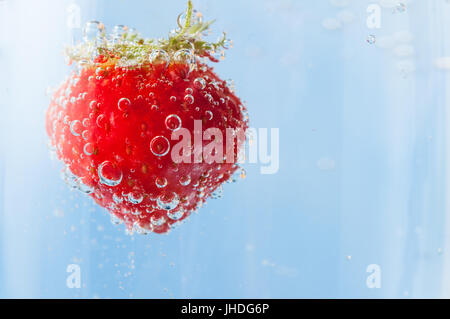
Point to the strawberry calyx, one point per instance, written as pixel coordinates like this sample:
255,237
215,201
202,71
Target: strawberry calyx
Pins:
125,47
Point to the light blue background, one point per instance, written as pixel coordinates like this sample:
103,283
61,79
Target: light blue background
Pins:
363,161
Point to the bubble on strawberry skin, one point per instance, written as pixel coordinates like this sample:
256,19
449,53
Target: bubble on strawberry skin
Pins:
135,197
200,83
186,58
209,115
157,221
88,149
141,230
123,104
101,121
173,122
189,99
177,215
84,188
159,146
109,174
117,199
161,182
159,58
168,201
85,135
75,128
185,180
86,122
76,182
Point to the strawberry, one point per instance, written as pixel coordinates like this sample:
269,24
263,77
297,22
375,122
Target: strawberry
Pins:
111,122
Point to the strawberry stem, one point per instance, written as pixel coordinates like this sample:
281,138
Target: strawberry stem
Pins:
188,20
130,49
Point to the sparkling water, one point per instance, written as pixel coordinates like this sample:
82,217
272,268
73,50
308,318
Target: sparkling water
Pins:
358,207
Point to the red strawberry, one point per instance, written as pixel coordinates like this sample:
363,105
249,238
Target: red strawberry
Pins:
111,122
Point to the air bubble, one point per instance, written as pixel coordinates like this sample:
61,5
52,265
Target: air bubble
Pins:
109,174
101,121
227,44
100,71
185,180
197,17
132,34
239,173
76,182
141,230
115,220
159,58
200,83
88,149
401,7
86,122
175,215
185,56
167,201
157,221
189,99
371,39
135,197
92,31
75,128
159,146
161,182
118,33
123,104
173,122
218,193
117,199
82,187
230,84
209,115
